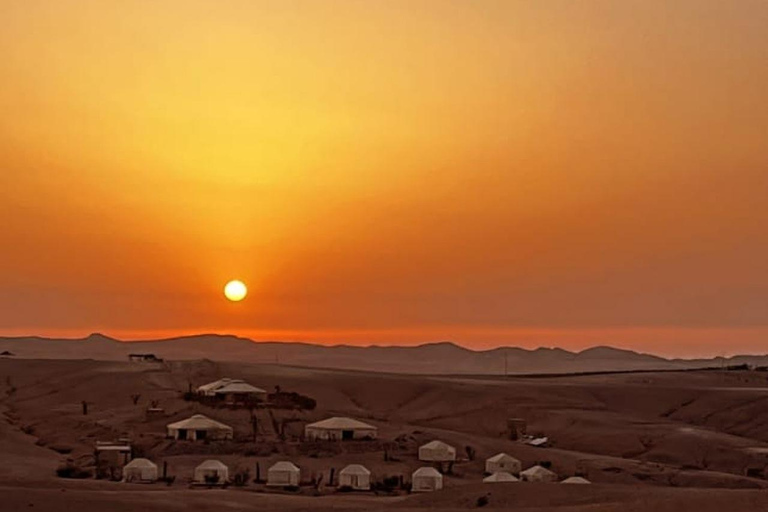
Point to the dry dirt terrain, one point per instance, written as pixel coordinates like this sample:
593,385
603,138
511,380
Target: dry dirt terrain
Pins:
647,441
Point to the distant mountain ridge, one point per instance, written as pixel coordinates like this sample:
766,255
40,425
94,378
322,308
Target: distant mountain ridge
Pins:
430,358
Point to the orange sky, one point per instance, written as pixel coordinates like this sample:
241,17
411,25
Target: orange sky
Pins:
491,172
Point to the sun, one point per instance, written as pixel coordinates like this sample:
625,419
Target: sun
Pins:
235,290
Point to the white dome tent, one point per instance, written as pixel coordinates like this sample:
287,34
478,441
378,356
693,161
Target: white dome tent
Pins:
538,474
426,479
211,472
340,429
199,427
503,462
437,451
283,474
356,477
578,480
140,470
500,477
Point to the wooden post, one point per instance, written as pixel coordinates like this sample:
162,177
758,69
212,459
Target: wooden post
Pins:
258,473
165,469
330,480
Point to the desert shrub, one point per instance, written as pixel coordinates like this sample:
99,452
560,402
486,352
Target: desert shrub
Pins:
482,501
62,449
69,470
241,478
387,484
292,400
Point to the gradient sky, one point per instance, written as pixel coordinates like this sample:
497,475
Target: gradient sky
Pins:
528,173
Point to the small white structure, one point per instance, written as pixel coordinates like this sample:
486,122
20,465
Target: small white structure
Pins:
339,429
437,451
199,427
114,454
500,477
503,462
576,480
140,470
211,472
426,479
355,476
538,474
538,442
284,474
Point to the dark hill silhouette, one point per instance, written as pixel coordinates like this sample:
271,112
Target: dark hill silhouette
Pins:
429,358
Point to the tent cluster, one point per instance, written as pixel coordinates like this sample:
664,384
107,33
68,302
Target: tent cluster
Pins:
500,468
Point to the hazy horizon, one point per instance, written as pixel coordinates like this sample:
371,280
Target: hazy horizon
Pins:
490,173
579,346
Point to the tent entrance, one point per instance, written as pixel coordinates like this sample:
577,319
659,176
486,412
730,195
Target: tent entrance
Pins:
200,434
347,434
182,434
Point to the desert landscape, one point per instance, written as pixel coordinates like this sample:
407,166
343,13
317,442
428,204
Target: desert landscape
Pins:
383,256
645,440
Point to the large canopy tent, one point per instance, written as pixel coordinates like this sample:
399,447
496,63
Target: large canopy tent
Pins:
199,427
339,428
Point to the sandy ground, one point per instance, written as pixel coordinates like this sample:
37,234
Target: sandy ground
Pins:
666,441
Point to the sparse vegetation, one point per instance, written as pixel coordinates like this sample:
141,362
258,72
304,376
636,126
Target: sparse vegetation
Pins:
70,470
241,478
